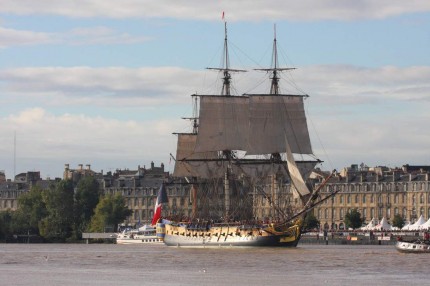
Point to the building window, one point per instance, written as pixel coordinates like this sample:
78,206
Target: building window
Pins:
348,198
364,213
326,213
396,198
319,214
421,198
422,211
372,213
388,199
396,211
404,213
334,214
341,214
388,213
413,199
364,199
356,199
341,199
380,212
380,199
403,198
371,198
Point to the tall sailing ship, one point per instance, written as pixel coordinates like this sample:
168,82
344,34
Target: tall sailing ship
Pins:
240,156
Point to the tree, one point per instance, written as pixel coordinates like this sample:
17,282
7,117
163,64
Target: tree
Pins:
31,210
5,222
86,199
57,225
110,211
311,221
398,221
353,219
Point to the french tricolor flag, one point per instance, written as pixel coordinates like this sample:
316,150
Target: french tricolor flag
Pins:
161,198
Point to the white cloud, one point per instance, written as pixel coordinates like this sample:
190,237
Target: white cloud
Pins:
44,138
117,85
371,115
77,36
11,37
211,10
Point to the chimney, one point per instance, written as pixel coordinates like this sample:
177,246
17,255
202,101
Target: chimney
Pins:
80,166
66,167
88,167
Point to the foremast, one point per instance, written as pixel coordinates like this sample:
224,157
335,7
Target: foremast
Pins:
227,155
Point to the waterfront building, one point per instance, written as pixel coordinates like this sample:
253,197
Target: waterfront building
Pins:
22,183
140,189
376,193
2,176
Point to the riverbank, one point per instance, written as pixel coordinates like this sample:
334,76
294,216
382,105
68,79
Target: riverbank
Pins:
357,238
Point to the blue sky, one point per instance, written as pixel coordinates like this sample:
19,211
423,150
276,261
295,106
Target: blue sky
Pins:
105,82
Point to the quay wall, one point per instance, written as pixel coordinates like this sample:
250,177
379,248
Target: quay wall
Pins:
358,238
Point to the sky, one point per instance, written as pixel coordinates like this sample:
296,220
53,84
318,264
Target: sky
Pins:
106,82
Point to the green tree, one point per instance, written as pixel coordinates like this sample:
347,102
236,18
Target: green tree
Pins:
353,219
311,221
5,223
398,221
110,211
31,210
57,225
86,199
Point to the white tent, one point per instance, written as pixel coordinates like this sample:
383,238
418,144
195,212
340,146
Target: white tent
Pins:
416,225
370,226
426,225
406,226
383,225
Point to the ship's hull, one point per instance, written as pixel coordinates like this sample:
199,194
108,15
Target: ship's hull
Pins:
143,240
228,236
413,247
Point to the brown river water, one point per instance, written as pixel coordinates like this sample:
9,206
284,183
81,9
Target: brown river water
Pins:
111,264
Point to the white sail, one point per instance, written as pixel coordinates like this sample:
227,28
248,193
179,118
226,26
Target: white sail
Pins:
274,116
223,123
185,154
295,175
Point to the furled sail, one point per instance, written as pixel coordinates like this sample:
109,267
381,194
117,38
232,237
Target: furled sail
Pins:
223,123
274,116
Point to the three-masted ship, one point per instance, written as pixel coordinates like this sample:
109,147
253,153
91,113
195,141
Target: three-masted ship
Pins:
239,157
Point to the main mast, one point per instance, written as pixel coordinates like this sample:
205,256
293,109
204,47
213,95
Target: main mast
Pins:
274,88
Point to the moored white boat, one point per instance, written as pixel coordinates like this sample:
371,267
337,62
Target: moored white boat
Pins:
145,234
416,246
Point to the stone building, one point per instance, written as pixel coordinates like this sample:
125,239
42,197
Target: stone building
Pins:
140,189
376,193
2,176
23,182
